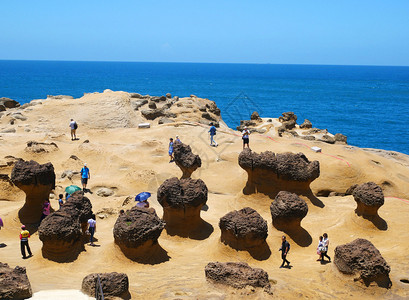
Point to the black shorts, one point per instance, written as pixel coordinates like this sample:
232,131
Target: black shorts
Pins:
245,140
84,180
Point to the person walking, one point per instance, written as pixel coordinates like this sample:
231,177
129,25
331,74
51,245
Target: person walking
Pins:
92,227
245,137
320,248
46,209
24,235
285,247
325,242
212,132
73,125
85,175
170,151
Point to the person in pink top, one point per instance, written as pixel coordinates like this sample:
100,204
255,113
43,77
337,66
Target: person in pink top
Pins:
46,209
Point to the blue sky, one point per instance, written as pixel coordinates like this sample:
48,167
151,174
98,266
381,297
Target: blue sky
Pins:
361,32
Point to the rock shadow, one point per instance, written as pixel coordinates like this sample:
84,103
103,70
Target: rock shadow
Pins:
149,254
376,220
299,235
380,280
200,231
3,245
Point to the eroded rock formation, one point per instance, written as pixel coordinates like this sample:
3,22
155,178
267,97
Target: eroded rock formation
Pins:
36,181
369,198
113,285
182,201
185,159
288,210
270,173
137,231
243,229
361,258
238,275
14,283
63,232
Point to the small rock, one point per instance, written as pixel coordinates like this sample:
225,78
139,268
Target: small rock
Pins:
168,95
8,130
105,192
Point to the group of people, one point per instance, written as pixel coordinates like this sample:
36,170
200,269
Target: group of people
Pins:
171,144
244,136
322,249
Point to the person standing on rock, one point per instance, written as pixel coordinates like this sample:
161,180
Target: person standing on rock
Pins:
85,175
178,141
24,235
285,247
73,126
92,227
171,150
325,242
212,132
245,136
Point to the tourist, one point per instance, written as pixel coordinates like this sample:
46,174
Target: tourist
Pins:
121,212
325,242
1,223
178,141
320,248
212,132
24,235
67,196
73,126
92,227
46,209
245,137
60,201
171,150
85,175
285,247
143,203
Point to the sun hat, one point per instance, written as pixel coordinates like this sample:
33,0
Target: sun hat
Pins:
23,226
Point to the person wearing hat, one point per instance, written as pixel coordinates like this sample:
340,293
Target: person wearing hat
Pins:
178,141
85,175
245,137
24,235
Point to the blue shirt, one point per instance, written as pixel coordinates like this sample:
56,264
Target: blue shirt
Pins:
85,172
212,130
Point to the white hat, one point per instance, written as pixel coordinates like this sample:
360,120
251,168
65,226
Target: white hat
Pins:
85,164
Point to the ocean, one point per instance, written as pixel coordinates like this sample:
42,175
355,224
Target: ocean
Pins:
369,104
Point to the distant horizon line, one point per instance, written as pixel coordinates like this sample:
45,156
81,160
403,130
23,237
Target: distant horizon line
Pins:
179,62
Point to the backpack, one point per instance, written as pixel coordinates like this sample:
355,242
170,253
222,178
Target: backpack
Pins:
75,125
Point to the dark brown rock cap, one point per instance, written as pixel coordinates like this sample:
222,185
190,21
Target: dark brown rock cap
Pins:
136,226
245,222
288,205
369,193
32,173
361,256
287,166
78,205
236,274
182,193
14,283
113,284
60,225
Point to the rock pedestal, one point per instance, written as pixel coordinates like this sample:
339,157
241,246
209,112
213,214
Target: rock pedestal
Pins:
244,229
270,173
36,181
182,201
63,232
14,283
287,211
362,259
369,198
136,232
185,159
113,285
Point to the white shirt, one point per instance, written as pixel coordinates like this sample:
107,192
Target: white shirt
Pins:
72,123
245,134
91,222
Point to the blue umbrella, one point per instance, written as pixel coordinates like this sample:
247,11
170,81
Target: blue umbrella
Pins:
142,196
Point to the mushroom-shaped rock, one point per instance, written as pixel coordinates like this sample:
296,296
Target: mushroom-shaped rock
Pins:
369,198
185,159
360,257
137,231
36,181
237,274
270,173
14,283
63,231
182,201
113,284
243,229
288,210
